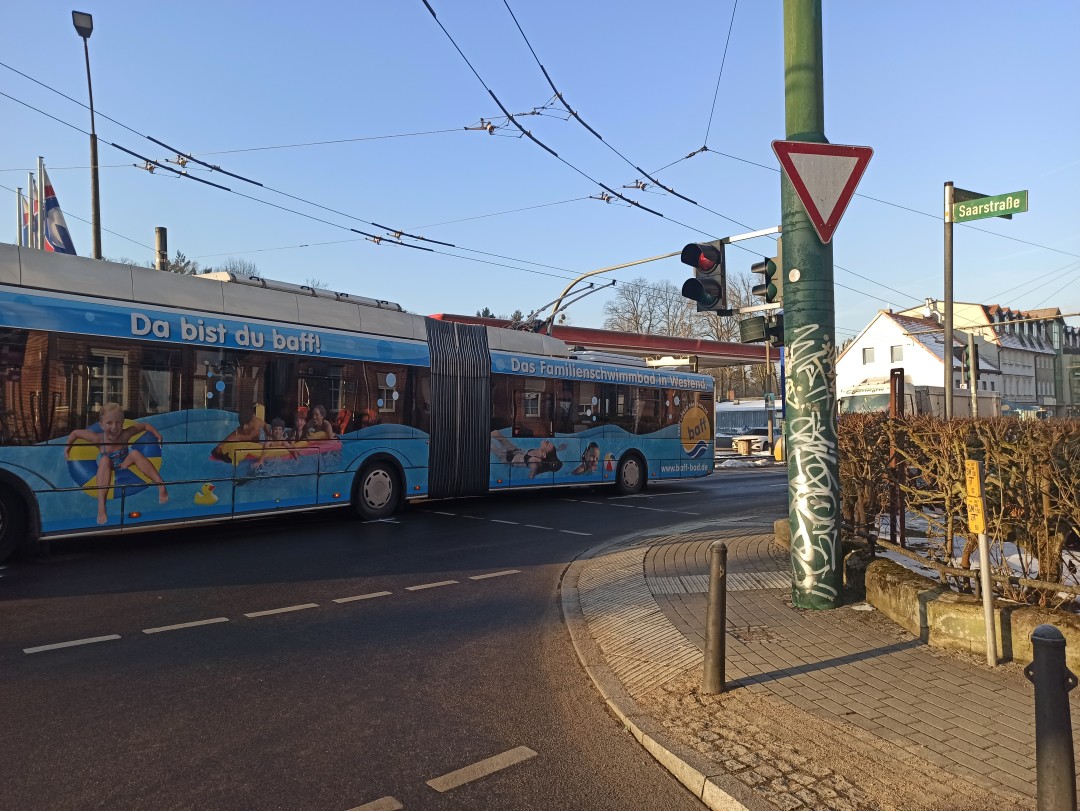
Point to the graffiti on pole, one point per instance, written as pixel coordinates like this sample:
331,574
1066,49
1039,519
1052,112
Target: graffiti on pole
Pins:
813,462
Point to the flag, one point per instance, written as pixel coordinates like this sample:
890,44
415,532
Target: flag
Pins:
57,237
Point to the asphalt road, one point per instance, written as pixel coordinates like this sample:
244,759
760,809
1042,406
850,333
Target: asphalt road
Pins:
315,662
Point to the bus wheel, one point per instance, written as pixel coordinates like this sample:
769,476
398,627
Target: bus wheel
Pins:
378,492
630,477
12,522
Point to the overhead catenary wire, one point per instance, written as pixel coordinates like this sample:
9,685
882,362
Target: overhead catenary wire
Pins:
395,234
529,135
372,237
559,95
723,59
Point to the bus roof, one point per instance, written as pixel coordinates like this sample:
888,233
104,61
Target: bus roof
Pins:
240,297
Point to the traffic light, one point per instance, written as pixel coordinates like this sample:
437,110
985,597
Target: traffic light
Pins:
772,277
761,328
709,286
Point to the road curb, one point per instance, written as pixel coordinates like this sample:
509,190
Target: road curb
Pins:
716,789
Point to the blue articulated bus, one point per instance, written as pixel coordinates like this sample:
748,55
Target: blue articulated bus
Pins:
132,398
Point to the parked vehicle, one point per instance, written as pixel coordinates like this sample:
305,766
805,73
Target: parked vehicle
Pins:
754,441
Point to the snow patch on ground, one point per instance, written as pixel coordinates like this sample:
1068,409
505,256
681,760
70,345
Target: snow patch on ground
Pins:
728,464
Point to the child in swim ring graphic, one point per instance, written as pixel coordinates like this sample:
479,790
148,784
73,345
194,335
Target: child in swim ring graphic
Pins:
115,454
277,441
250,430
589,460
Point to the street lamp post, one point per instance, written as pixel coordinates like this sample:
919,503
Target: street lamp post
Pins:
84,25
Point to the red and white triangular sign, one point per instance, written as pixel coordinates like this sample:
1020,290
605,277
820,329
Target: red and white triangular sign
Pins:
824,177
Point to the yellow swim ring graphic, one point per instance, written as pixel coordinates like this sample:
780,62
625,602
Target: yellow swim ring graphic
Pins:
82,462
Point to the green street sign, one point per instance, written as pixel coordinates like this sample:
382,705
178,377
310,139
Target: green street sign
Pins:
1001,205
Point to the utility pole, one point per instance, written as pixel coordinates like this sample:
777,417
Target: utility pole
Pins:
768,400
947,353
809,335
973,374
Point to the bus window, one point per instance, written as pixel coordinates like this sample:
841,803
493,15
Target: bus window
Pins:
227,379
587,411
564,406
646,410
159,381
532,412
502,402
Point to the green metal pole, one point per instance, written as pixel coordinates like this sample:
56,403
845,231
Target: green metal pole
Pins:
809,337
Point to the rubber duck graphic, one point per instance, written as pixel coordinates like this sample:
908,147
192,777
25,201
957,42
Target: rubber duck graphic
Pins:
206,496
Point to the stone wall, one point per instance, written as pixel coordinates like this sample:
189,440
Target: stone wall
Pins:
941,617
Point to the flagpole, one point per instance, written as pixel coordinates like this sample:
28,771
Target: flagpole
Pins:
18,215
41,203
31,193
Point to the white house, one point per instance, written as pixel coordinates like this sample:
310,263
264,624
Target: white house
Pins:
916,345
1021,348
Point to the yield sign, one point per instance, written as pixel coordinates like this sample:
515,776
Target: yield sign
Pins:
824,177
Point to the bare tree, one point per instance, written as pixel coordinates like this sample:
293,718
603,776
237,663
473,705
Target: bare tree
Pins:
317,284
650,307
239,267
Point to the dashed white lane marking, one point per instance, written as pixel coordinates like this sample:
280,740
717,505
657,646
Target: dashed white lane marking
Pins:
632,506
473,517
500,521
178,626
363,596
657,495
536,526
571,532
381,804
494,574
431,585
72,643
481,769
282,610
440,512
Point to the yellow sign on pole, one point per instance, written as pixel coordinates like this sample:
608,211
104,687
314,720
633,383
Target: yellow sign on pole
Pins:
976,518
973,477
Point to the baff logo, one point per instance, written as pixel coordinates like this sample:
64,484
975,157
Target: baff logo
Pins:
695,430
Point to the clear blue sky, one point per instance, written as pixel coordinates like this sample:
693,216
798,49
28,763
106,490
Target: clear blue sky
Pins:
981,93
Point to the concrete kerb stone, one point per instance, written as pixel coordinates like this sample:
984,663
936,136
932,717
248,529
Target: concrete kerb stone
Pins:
716,789
946,619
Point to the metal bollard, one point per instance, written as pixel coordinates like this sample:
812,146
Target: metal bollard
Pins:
1054,763
716,620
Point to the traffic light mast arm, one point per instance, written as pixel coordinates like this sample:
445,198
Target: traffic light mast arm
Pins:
776,229
569,287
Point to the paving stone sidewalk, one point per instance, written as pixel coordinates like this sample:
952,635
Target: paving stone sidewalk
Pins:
834,709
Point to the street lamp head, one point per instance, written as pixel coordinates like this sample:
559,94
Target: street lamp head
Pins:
84,23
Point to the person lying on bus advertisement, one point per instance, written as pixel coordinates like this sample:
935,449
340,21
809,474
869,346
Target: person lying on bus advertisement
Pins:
249,431
115,454
319,427
299,423
589,460
277,443
544,459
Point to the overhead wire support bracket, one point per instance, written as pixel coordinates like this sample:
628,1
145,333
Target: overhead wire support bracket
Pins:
210,166
169,168
397,234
